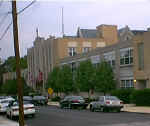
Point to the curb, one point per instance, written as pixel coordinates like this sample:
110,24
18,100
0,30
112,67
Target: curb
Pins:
127,108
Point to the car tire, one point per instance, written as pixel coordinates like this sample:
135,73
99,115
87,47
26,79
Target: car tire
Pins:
105,109
7,116
91,108
11,116
70,106
118,110
33,115
61,106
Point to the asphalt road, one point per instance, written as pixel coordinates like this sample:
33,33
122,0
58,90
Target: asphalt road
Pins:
54,116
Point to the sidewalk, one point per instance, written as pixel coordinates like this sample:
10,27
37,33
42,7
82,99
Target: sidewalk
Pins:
6,122
127,108
138,109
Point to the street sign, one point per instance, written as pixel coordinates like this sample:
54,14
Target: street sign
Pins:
50,91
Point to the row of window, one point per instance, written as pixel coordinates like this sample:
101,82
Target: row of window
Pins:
72,50
126,56
127,83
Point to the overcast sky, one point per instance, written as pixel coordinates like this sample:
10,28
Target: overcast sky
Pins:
46,15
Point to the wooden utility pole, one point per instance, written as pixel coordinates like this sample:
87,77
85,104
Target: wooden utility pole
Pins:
17,55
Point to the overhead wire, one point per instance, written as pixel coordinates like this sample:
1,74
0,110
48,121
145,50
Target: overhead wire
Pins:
12,22
1,2
3,19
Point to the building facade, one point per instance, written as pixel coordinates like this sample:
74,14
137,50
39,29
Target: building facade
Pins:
46,54
12,75
128,58
142,60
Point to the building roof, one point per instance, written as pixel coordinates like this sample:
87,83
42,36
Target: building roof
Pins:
135,32
88,33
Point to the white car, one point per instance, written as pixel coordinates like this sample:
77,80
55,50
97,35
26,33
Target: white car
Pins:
106,103
13,109
4,102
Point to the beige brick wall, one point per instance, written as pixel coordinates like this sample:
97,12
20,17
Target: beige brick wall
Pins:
142,74
109,33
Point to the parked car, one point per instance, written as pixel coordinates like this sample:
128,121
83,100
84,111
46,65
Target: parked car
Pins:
40,100
13,109
28,98
106,103
4,102
73,102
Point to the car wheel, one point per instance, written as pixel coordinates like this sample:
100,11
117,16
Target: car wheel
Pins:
7,116
33,115
61,106
11,116
118,110
70,106
91,108
105,109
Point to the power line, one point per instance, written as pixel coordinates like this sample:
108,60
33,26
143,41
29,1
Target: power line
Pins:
6,30
12,22
26,7
1,2
5,16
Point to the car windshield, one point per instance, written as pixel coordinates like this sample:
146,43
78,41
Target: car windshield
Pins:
38,97
77,98
26,102
5,101
111,98
27,98
17,103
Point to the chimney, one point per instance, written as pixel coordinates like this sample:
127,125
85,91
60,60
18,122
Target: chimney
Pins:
108,32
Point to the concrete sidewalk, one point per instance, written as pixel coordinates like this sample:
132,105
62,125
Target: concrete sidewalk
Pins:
137,109
6,122
127,108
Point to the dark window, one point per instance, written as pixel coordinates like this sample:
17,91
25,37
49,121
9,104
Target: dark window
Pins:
141,56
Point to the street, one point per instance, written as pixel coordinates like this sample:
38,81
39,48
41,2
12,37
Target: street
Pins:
54,116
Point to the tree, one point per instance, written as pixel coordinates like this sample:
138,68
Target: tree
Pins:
10,63
85,76
105,81
10,87
53,80
60,79
66,79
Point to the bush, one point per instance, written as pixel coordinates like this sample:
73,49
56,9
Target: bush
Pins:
141,97
57,98
123,94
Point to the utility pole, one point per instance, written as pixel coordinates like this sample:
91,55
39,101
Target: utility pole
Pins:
17,55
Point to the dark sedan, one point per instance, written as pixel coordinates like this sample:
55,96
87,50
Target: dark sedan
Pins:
73,102
40,100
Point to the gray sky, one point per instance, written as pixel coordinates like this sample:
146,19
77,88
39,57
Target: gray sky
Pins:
46,15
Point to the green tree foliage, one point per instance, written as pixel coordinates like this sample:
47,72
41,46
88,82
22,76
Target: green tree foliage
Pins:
10,63
105,81
60,79
10,87
53,80
66,79
85,76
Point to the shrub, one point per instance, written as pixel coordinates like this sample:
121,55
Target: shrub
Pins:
123,94
141,97
57,98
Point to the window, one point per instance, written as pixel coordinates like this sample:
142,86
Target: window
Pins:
110,58
127,83
141,56
95,60
72,51
73,66
86,49
126,56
